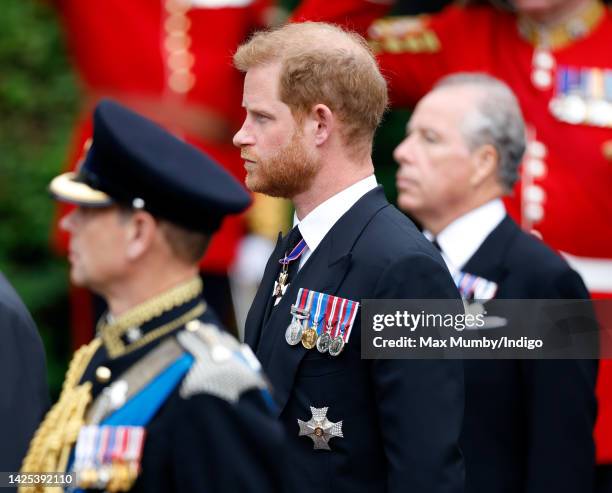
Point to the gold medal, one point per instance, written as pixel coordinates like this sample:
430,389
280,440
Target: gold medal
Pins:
309,338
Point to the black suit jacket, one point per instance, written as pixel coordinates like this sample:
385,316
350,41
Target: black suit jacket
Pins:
401,419
528,423
24,397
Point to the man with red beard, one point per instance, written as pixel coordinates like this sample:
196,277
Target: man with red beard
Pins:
314,96
555,55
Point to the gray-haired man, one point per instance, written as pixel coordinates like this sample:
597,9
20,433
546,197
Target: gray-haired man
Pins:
528,424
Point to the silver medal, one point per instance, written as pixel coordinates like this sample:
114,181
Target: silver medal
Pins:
324,342
293,334
336,346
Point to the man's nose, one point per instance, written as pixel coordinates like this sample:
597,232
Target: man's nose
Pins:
242,138
402,154
67,222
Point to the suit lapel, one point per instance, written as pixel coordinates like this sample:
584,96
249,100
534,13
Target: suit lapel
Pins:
488,261
324,272
256,313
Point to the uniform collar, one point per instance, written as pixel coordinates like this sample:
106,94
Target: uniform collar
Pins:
322,218
460,240
152,319
562,34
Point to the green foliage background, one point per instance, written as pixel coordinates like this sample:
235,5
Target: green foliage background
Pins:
39,99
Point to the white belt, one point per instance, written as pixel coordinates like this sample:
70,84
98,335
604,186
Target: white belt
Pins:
595,272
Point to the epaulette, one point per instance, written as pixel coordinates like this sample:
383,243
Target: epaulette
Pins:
223,367
403,34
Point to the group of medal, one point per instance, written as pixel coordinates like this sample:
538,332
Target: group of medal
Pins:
321,321
472,287
583,96
108,457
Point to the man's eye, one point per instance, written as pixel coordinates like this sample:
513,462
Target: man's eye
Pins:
430,137
261,118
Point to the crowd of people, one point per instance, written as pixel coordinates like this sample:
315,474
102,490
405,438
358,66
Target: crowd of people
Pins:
502,182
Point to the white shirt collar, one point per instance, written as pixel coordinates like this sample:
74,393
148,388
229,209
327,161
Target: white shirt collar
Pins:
322,218
461,239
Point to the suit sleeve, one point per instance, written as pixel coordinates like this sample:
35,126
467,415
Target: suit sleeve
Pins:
23,389
221,446
420,402
561,413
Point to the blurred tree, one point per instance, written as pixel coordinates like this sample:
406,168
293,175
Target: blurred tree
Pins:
38,100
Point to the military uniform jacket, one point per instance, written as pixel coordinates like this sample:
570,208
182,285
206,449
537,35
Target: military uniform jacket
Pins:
401,419
24,397
528,424
214,432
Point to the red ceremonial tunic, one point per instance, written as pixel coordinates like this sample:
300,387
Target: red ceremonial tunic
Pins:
566,179
171,60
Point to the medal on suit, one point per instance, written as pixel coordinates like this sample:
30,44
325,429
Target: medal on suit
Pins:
300,312
325,339
293,334
472,287
320,429
348,312
282,282
336,345
280,285
310,335
321,320
336,341
309,338
108,457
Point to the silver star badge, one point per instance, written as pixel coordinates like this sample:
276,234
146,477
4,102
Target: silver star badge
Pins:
320,429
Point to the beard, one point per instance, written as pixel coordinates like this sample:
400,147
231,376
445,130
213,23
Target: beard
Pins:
286,174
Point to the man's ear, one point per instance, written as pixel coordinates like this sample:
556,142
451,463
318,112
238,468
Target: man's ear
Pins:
141,233
485,162
323,122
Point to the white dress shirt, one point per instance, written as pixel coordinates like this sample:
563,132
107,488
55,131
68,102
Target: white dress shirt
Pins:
460,240
322,218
